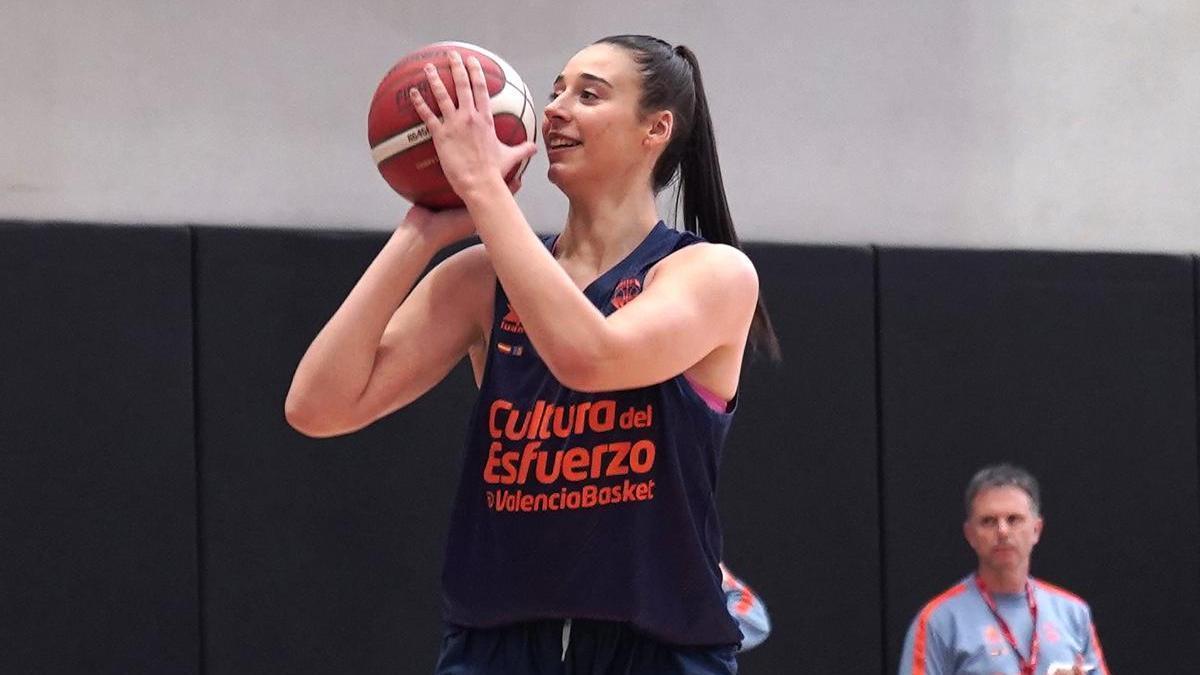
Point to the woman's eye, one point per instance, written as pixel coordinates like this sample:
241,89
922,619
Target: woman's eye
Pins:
585,95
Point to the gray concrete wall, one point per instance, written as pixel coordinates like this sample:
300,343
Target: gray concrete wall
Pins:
1022,123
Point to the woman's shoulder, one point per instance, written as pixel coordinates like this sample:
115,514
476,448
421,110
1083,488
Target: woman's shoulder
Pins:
466,280
719,263
471,263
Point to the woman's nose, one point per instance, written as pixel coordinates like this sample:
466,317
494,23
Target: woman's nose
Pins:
555,108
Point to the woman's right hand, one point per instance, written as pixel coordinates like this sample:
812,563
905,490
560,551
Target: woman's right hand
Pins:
443,228
439,228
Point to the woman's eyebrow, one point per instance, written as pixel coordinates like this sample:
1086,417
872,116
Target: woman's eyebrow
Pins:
586,76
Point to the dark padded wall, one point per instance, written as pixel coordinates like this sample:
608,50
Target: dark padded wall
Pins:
1080,367
97,471
324,556
798,490
320,556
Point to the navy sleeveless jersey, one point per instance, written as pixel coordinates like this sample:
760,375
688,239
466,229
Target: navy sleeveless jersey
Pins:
589,505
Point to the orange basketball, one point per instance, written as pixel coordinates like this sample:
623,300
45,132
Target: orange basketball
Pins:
400,142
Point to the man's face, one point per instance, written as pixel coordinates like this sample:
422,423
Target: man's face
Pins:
1002,528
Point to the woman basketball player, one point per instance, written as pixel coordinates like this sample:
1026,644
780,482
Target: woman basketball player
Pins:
584,535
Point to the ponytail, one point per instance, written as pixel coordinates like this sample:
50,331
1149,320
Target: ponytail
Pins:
671,81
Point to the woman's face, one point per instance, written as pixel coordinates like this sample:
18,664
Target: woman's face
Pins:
593,127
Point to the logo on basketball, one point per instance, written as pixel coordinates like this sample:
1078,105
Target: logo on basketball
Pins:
627,289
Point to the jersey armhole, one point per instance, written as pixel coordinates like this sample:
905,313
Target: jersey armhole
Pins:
489,337
693,390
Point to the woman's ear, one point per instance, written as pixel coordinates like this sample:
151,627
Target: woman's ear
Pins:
659,131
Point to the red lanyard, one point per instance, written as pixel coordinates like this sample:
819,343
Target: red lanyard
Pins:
1028,667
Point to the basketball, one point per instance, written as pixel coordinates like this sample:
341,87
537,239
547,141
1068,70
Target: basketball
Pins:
400,143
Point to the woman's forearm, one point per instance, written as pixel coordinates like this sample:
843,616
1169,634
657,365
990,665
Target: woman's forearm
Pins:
335,370
567,330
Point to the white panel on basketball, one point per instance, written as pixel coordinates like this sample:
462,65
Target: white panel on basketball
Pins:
400,142
530,120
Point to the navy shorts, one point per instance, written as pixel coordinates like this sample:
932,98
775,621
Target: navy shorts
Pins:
582,647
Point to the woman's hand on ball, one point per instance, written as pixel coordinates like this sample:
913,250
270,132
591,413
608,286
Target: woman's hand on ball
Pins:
439,228
470,154
442,228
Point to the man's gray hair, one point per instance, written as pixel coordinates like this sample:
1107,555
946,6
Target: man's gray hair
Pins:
1004,475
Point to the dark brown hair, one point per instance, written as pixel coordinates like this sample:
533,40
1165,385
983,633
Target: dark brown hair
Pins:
671,81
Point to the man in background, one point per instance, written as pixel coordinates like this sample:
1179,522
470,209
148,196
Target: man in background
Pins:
999,619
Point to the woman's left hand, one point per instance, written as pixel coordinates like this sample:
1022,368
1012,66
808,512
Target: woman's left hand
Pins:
464,136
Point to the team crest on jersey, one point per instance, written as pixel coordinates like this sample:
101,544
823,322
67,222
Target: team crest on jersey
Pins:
1051,633
510,322
627,289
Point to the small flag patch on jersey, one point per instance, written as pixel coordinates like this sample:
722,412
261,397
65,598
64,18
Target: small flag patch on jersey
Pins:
510,350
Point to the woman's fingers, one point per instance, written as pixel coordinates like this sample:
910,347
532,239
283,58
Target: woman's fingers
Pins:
462,82
440,95
513,157
464,133
423,111
470,87
515,154
479,87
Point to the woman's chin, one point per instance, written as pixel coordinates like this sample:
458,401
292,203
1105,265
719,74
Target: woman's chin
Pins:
559,177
